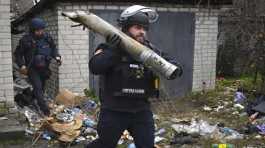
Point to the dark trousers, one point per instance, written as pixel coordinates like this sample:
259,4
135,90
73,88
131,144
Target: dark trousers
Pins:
112,124
37,80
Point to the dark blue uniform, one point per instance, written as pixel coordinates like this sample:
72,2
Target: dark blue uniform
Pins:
125,86
35,54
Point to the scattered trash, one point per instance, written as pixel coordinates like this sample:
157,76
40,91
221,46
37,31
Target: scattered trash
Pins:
121,141
89,105
222,146
89,130
207,108
20,81
218,108
67,122
160,132
239,97
239,106
156,117
28,132
32,117
71,120
72,111
89,123
69,136
249,129
184,120
3,118
68,98
235,113
56,108
230,133
90,138
205,129
64,117
46,136
201,127
260,107
79,139
24,97
159,139
126,135
131,145
61,127
253,116
254,106
183,138
261,129
258,136
226,103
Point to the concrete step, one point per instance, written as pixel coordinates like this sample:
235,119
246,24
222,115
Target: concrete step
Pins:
10,128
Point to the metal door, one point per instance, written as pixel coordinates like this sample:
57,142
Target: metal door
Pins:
173,33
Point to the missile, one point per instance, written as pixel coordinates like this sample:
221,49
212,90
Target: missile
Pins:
138,51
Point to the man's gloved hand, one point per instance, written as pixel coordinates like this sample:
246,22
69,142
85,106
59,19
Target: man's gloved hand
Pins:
113,40
23,70
58,60
180,68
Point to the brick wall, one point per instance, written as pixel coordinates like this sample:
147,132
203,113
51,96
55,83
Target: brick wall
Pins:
6,77
73,45
205,50
51,19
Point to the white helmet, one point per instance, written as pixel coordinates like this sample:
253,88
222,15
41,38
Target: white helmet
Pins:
137,14
132,10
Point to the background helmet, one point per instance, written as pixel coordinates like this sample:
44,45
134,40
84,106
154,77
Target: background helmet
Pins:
37,24
137,15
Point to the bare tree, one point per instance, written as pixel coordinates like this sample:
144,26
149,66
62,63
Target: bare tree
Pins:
245,34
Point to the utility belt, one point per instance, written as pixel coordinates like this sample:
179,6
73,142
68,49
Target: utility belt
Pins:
40,61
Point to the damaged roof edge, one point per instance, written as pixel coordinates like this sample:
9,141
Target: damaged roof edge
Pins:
35,9
44,3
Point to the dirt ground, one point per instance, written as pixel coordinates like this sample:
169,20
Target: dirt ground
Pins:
216,107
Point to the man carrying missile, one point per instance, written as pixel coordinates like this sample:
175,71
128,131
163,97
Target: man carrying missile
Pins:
126,84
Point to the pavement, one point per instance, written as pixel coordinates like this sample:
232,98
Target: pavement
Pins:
11,127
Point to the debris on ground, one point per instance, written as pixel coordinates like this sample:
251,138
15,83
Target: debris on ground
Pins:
239,96
200,127
68,123
220,119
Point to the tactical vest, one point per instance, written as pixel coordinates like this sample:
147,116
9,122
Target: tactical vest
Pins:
130,78
41,53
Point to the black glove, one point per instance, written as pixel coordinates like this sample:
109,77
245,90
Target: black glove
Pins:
180,68
113,40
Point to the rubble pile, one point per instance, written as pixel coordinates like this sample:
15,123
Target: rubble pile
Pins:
68,123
